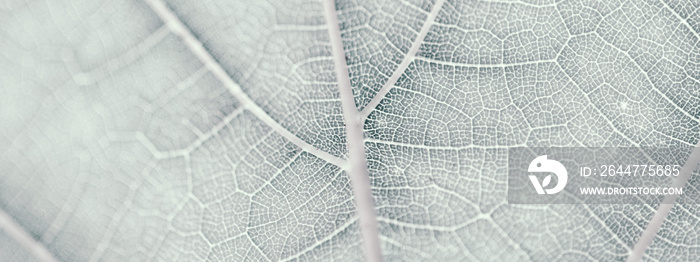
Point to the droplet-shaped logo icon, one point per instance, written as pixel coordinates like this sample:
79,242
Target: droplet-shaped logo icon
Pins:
542,164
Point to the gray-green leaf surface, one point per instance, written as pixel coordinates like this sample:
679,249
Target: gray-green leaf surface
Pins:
123,137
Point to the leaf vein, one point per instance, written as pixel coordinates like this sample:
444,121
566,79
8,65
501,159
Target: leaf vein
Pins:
357,159
21,236
406,60
178,28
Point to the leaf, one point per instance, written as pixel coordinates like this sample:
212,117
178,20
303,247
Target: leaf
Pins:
546,180
127,138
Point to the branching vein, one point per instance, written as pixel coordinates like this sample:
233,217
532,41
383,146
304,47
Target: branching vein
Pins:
197,48
406,60
357,160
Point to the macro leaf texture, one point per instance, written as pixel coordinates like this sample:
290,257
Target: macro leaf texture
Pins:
119,141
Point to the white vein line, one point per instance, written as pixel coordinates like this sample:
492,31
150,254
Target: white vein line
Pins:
17,232
482,216
357,160
406,60
428,147
456,64
665,207
181,30
123,60
683,21
60,219
648,79
417,251
214,130
325,239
